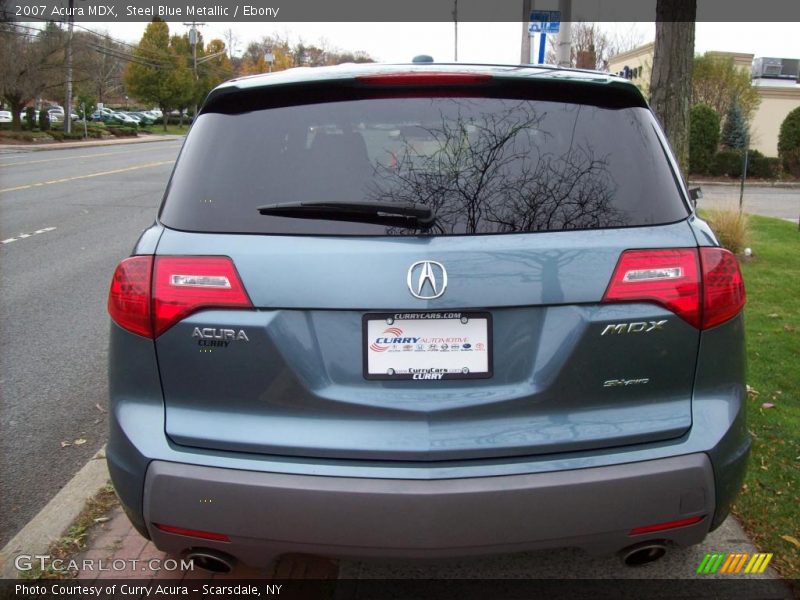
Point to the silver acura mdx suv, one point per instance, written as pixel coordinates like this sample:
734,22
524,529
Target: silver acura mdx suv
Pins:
426,310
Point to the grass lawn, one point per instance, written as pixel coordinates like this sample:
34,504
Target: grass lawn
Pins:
769,505
171,129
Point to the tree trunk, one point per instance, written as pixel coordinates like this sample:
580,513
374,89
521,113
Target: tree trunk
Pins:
15,104
671,78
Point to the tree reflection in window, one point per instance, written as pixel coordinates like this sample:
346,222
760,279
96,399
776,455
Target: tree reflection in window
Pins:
500,170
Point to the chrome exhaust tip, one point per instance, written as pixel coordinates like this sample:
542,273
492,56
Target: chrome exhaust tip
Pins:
210,560
644,553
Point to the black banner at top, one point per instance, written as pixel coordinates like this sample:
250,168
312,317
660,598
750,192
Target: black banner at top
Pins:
283,11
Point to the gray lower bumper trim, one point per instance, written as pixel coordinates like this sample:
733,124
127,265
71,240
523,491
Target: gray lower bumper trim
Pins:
311,512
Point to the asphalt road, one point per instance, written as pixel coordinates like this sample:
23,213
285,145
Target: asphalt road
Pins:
88,205
779,202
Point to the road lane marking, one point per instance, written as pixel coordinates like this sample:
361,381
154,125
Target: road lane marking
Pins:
22,236
88,176
44,160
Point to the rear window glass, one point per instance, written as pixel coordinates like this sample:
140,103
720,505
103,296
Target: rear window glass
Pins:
483,165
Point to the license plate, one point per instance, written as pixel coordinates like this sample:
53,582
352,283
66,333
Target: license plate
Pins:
427,345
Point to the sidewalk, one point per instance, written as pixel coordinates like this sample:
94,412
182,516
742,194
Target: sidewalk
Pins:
89,143
115,540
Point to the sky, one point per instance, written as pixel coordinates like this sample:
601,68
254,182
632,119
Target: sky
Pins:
478,42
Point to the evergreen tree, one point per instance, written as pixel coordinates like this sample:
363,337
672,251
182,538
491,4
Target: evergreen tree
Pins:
734,132
159,74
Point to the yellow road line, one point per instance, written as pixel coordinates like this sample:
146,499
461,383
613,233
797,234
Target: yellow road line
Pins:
44,160
66,179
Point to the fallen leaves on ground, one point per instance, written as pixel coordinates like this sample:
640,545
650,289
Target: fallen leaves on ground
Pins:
791,539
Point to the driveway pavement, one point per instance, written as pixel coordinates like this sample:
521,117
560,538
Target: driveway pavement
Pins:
779,202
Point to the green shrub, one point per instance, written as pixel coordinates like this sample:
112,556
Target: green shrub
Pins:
727,163
123,130
703,138
58,135
44,120
765,167
30,118
789,143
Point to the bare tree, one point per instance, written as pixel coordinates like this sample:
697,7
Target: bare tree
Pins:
671,79
592,47
28,62
232,41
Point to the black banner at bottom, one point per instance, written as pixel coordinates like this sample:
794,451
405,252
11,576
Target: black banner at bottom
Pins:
401,589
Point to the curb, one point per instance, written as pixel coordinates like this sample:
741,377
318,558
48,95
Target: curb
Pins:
67,145
48,525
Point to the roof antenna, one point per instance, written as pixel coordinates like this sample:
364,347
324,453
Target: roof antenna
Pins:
422,58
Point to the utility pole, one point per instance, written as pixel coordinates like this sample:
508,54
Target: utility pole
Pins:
68,92
564,43
193,42
455,26
525,54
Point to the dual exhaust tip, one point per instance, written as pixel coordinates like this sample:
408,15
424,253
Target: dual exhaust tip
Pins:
215,561
644,553
210,560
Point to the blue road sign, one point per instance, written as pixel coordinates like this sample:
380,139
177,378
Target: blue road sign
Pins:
544,21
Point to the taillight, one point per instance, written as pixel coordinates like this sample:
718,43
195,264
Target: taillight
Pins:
150,294
129,296
667,277
185,284
723,286
704,289
416,78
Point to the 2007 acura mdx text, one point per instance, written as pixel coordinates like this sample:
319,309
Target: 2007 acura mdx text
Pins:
426,310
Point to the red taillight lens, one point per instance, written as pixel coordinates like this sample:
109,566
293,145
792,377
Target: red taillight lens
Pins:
185,284
206,535
414,78
704,290
667,277
723,286
180,286
129,296
667,525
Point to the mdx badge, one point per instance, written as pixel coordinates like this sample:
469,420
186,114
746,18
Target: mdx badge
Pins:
427,279
637,327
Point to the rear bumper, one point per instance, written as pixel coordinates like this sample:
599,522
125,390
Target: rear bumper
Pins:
267,514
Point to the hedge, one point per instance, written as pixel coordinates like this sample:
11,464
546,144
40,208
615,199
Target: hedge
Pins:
729,163
789,142
703,138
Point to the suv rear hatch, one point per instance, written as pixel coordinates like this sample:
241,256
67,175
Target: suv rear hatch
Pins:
381,336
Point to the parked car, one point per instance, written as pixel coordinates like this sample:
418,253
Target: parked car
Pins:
121,117
102,114
5,116
426,310
143,118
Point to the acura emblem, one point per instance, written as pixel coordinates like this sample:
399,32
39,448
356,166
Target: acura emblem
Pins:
427,279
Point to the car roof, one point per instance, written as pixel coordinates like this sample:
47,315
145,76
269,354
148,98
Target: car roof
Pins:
353,70
605,85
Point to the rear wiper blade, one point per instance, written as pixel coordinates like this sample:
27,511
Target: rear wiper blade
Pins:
401,214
